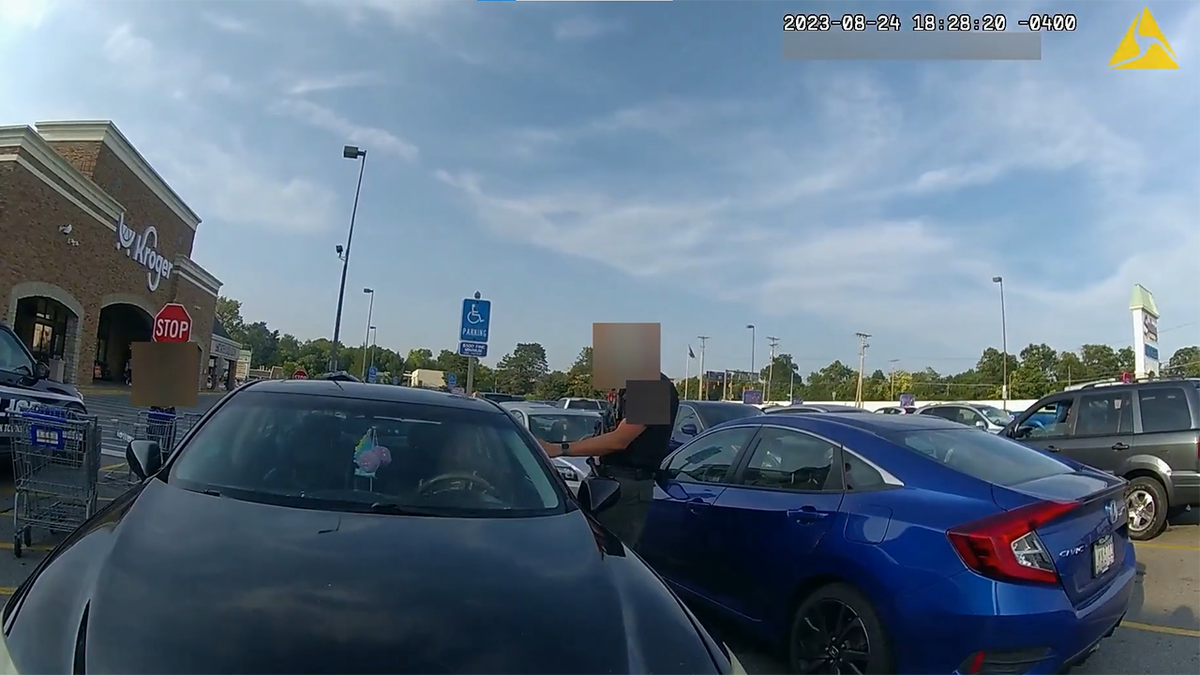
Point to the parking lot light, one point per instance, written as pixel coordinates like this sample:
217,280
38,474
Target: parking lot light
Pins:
1003,343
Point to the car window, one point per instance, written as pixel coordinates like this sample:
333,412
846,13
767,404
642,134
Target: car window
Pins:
945,413
891,411
583,404
12,354
1052,420
686,415
564,428
1105,413
980,454
717,414
792,460
339,453
707,459
518,415
859,475
1164,409
996,416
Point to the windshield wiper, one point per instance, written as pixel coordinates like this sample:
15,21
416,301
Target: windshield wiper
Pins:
394,509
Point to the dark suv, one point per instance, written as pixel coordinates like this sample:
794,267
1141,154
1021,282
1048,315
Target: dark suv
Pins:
1147,432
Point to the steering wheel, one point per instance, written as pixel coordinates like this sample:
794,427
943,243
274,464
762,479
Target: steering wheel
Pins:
427,488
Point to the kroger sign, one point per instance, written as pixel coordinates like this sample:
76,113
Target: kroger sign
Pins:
143,248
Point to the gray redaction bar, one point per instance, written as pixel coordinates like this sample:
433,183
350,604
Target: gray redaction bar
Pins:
838,45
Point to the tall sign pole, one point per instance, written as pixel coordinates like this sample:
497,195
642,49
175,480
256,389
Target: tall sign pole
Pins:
473,333
703,385
773,342
862,364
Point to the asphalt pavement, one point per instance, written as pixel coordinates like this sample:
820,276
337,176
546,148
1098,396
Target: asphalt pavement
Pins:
1161,633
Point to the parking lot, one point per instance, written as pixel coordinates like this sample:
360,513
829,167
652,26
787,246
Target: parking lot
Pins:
1161,633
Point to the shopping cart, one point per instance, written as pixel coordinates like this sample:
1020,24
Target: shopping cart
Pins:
56,462
164,427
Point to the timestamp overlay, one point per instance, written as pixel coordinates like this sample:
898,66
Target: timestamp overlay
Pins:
920,37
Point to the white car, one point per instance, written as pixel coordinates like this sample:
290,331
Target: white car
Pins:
986,417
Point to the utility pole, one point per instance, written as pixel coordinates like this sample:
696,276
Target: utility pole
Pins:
862,364
703,386
892,377
773,342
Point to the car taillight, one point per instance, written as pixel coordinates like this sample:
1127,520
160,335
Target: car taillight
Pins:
1006,547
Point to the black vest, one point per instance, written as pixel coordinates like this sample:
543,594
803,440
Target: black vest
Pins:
648,450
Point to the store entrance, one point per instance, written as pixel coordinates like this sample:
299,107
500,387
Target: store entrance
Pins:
120,326
49,329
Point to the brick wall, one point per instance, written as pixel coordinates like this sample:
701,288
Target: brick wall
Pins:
35,253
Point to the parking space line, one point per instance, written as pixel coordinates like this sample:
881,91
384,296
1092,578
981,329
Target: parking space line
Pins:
1166,630
8,546
111,467
6,591
1169,547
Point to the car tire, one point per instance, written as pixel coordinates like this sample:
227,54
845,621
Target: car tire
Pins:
858,630
1147,506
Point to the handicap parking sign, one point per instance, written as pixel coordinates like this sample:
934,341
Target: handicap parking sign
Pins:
476,320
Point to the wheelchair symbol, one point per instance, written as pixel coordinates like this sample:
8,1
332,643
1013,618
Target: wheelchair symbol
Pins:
473,316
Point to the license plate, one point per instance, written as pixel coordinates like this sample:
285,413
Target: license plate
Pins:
1103,556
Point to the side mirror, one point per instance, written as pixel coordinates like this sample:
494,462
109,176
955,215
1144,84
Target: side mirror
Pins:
597,494
144,458
980,424
689,429
41,371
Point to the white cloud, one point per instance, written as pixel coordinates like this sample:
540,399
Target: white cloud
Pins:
370,138
317,83
583,28
24,14
232,185
140,64
229,24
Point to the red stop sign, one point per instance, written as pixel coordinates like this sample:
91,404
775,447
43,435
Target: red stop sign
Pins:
172,324
300,375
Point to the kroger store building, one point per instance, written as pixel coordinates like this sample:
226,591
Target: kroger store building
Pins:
93,243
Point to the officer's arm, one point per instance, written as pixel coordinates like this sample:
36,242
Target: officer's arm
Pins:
614,441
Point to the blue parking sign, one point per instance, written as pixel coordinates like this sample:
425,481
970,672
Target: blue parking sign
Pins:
476,320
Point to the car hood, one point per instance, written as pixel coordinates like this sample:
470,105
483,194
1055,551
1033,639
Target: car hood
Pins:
172,581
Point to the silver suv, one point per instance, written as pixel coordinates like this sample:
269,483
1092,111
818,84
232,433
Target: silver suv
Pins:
986,417
1147,432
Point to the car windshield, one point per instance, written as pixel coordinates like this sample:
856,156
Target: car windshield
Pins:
501,398
996,415
13,357
564,428
980,454
353,454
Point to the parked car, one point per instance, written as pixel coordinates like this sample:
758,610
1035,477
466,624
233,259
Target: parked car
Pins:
25,382
696,416
1147,432
986,417
497,397
870,543
601,406
812,408
386,571
560,425
897,410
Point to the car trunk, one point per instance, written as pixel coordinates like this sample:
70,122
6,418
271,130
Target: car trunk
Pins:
1088,543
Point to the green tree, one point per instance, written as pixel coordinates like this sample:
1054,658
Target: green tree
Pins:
551,386
520,370
579,377
835,382
420,359
229,313
451,363
263,344
1184,362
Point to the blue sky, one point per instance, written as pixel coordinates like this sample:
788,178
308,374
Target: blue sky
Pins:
581,162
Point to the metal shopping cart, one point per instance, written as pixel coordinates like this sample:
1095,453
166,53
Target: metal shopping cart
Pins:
163,426
56,462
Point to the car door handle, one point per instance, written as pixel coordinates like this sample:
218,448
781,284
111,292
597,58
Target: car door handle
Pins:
806,514
1120,446
1051,448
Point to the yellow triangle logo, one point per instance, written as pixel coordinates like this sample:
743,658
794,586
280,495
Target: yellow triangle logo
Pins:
1158,54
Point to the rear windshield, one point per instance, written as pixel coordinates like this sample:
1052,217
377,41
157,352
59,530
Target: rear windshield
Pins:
721,413
501,398
564,428
981,455
334,453
583,404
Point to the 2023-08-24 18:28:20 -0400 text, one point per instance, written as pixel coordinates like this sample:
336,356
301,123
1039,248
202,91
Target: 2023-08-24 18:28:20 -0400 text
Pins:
956,23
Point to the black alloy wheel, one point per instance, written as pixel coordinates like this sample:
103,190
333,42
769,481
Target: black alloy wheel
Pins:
836,631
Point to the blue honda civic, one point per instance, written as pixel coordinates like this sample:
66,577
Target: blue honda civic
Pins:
862,543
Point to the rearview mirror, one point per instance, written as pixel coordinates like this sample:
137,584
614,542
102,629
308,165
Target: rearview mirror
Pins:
144,458
688,429
597,494
41,371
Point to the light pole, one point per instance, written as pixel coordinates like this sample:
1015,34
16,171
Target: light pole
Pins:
752,341
774,342
349,152
1003,342
367,339
892,377
703,389
374,336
